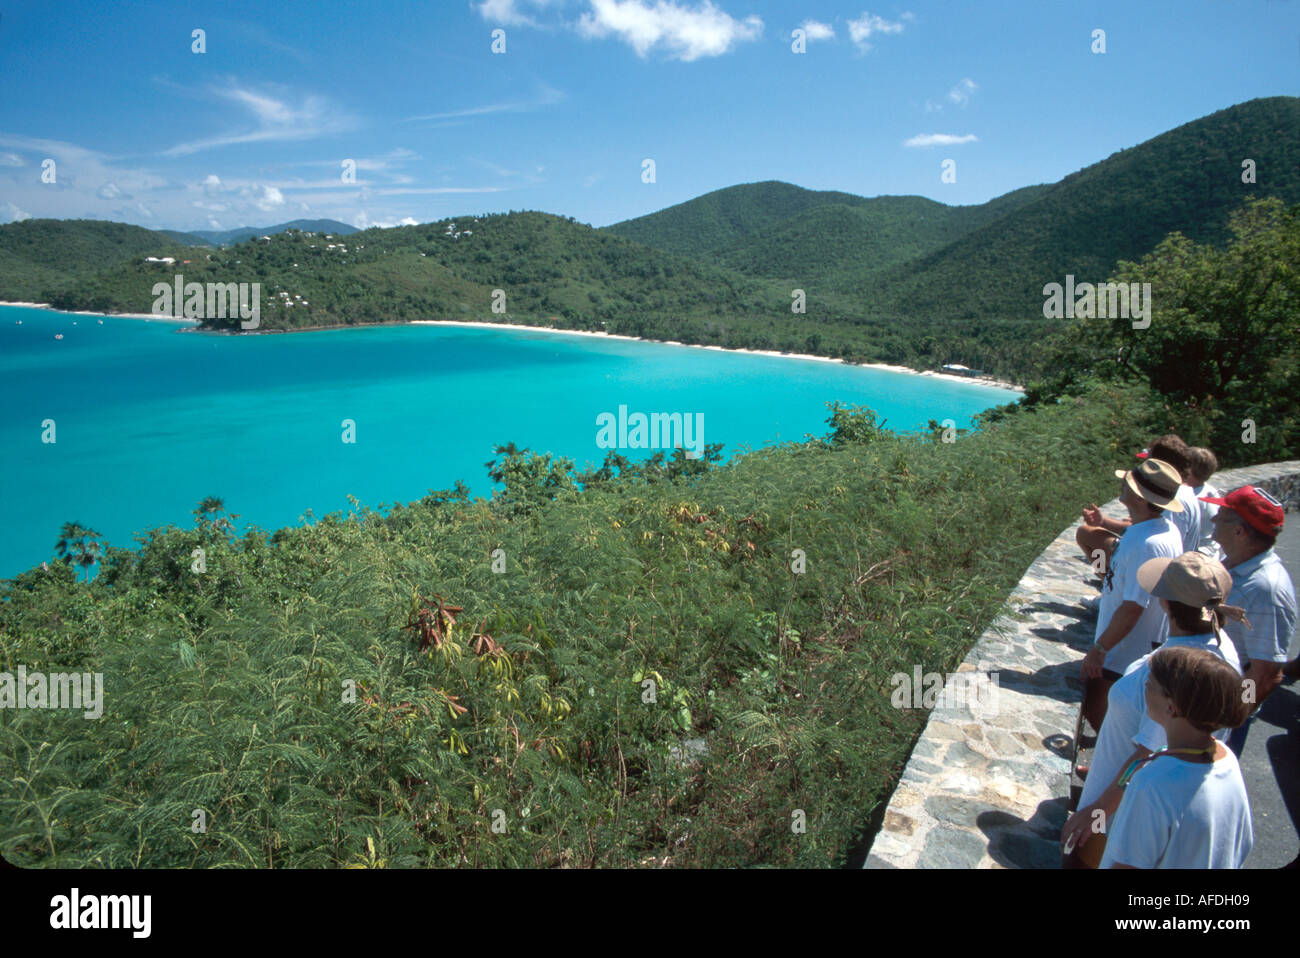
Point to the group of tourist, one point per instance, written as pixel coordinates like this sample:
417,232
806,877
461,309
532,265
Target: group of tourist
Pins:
1194,627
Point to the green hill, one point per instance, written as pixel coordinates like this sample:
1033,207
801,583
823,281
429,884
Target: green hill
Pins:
230,237
1187,180
724,218
39,256
779,230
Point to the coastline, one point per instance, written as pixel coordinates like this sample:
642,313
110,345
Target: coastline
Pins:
886,367
86,312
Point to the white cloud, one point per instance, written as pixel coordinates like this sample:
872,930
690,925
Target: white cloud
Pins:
862,28
961,93
547,96
816,30
265,198
11,159
507,12
109,191
364,222
139,209
212,184
940,139
687,34
12,214
276,120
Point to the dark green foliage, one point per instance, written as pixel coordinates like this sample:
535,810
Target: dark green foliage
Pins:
1223,347
39,258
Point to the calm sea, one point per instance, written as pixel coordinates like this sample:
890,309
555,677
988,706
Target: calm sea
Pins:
149,420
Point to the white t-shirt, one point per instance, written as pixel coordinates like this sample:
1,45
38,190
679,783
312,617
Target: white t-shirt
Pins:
1262,587
1208,511
1149,539
1178,814
1127,724
1188,522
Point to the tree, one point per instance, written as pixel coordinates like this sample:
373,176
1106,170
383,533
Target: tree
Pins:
80,546
1223,344
214,506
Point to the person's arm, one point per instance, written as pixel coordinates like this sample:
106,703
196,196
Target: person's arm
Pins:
1093,517
1121,624
1267,676
1079,824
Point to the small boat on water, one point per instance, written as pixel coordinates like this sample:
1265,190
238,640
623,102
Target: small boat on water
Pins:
58,335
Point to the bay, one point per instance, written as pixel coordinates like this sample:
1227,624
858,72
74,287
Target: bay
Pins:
150,420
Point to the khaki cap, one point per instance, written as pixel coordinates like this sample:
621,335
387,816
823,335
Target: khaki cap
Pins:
1192,579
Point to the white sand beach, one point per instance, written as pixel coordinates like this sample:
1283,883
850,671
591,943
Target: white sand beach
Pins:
84,312
980,380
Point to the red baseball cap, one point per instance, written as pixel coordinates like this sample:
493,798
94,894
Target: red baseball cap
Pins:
1255,506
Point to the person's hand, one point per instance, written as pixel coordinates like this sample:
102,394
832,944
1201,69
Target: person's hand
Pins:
1092,515
1078,829
1093,661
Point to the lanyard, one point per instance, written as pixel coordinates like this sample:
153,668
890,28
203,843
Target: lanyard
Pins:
1133,766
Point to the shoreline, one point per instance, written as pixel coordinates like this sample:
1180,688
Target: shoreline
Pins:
87,312
887,367
476,324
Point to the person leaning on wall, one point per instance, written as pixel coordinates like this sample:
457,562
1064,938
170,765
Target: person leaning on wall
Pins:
1129,623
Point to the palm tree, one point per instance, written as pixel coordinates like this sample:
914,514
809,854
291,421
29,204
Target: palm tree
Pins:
496,471
79,545
211,506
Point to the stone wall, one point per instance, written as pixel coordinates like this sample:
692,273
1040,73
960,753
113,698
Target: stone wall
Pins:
987,784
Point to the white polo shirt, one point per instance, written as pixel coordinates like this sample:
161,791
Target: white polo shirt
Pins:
1179,814
1262,587
1188,522
1149,539
1127,724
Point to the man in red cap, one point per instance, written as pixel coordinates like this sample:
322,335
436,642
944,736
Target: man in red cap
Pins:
1246,526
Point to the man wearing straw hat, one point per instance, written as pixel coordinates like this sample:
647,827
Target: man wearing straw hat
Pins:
1191,590
1246,526
1129,624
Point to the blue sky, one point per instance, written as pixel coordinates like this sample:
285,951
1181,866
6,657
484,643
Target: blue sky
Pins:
254,131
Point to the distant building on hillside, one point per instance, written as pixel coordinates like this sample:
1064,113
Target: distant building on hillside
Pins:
957,369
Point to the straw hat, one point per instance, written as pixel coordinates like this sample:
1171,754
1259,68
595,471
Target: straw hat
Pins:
1155,481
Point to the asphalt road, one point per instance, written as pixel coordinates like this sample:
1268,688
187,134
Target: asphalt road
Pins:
1270,762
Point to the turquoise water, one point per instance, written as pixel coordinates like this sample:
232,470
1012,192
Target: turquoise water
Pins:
150,420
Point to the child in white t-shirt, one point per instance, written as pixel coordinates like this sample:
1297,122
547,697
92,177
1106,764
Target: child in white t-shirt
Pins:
1185,806
1201,465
